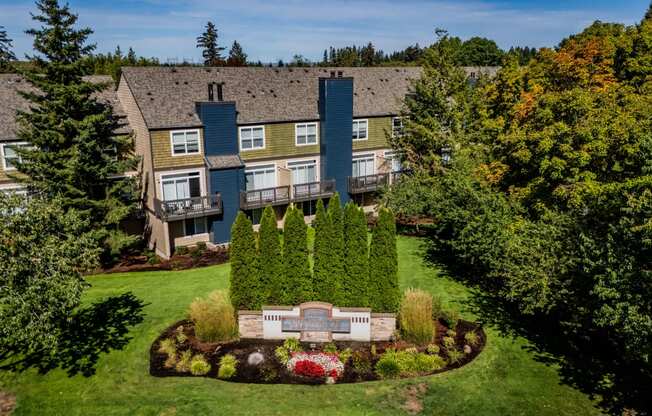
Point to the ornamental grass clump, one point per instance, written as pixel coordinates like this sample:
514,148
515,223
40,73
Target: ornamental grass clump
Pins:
416,317
214,318
199,366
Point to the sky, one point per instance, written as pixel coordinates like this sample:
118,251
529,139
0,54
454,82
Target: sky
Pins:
270,30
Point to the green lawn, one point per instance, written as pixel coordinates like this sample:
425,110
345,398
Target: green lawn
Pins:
505,379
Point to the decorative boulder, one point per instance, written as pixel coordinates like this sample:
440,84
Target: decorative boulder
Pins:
467,349
255,358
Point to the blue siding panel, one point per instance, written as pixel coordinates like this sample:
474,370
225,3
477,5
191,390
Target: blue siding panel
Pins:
228,182
336,146
220,128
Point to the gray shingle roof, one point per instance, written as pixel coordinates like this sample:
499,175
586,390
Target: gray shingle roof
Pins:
167,95
10,101
224,162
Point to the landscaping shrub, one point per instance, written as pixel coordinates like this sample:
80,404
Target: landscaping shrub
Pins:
335,215
356,260
454,355
361,363
345,354
471,338
180,335
199,366
407,363
309,369
450,317
295,258
383,292
169,347
181,251
388,367
183,365
449,342
214,318
315,364
245,285
326,272
416,317
228,365
201,246
432,349
330,348
271,267
284,351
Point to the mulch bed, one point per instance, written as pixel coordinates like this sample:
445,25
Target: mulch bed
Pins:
208,257
271,371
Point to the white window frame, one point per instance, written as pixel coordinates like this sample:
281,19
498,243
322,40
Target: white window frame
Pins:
366,156
4,161
356,122
389,156
161,177
304,162
402,127
262,166
185,136
252,140
296,133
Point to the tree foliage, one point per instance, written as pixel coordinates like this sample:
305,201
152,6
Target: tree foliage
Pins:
336,217
112,63
326,271
208,42
383,290
356,261
74,153
237,57
44,249
6,54
271,268
295,258
245,288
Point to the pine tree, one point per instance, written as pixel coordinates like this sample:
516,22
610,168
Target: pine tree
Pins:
384,294
295,258
325,276
271,267
337,242
73,150
237,57
356,261
245,282
6,54
211,52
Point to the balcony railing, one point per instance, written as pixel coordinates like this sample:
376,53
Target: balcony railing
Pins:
188,208
313,190
262,197
368,183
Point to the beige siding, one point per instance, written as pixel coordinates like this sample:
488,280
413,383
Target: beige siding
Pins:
279,142
378,129
162,151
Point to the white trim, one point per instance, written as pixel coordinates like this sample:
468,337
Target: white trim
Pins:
252,140
304,162
4,164
185,132
296,133
358,120
257,166
366,156
160,175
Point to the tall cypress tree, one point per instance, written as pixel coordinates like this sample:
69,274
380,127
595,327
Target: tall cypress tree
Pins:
336,217
73,151
356,261
295,258
384,294
325,276
245,283
271,267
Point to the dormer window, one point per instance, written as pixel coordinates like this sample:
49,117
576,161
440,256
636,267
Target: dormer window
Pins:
185,142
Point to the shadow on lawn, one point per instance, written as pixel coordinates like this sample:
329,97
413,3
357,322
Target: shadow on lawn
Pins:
585,359
92,330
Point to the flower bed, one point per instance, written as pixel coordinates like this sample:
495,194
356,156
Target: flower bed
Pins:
315,364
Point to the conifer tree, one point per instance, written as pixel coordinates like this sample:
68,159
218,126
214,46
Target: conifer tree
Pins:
271,267
326,277
237,57
356,261
73,152
6,54
245,283
335,215
211,52
384,294
295,258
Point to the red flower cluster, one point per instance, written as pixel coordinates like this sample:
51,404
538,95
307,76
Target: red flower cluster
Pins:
309,369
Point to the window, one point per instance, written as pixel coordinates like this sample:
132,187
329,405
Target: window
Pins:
185,142
359,129
10,156
181,186
397,126
363,165
446,155
195,226
252,138
303,172
394,161
260,177
305,133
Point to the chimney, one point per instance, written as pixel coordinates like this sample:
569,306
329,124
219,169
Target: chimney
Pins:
210,92
339,74
219,92
332,74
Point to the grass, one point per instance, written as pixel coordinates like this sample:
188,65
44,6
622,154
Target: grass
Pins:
504,379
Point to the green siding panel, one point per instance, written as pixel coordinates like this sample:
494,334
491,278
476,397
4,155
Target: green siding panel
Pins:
279,143
378,129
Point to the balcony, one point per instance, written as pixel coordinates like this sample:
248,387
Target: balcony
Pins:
313,190
188,208
262,197
368,183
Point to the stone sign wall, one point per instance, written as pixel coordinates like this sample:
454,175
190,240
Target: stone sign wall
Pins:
316,322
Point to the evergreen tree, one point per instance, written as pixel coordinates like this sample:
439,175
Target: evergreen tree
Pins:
326,275
384,294
335,216
356,260
211,52
73,150
6,54
271,267
324,60
237,57
295,258
245,282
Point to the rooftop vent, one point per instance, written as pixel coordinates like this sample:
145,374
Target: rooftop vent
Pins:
339,74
